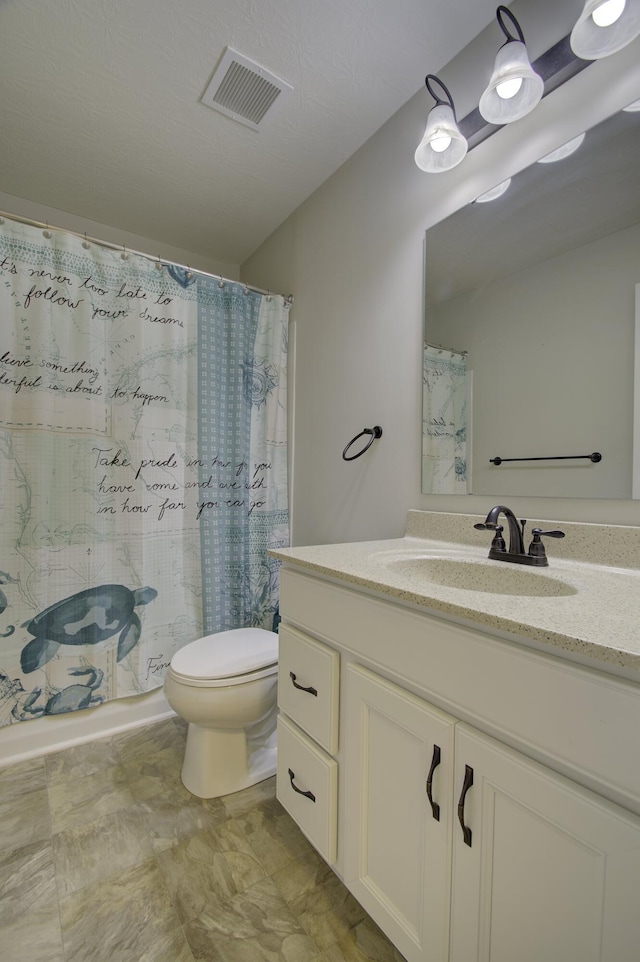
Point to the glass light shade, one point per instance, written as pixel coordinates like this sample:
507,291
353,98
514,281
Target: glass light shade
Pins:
494,192
592,42
561,152
434,153
512,63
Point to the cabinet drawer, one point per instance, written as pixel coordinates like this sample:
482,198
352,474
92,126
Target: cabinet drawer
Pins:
307,786
308,686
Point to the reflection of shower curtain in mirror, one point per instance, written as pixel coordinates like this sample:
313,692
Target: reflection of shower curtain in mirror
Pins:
143,467
444,422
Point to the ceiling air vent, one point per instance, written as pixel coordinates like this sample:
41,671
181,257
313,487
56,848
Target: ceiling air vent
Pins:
244,90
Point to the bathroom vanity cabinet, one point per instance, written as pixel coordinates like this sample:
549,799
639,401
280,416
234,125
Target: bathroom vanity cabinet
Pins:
479,798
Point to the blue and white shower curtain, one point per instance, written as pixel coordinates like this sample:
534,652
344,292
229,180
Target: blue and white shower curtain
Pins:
444,422
143,466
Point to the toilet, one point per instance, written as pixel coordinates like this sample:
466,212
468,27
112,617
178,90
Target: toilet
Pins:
225,685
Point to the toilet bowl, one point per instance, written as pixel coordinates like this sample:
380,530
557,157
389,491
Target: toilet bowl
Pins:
225,685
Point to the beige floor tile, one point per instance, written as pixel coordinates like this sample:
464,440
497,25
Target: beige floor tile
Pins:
171,817
141,744
137,869
29,918
22,777
27,879
33,937
96,850
317,897
364,943
126,918
76,801
24,818
81,760
274,836
208,867
240,802
155,773
252,926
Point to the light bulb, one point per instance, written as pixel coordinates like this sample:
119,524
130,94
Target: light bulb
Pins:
608,12
440,143
509,88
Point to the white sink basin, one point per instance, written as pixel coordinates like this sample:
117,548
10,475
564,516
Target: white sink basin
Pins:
495,577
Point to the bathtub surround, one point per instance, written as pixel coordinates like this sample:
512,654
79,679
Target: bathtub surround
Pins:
95,839
142,465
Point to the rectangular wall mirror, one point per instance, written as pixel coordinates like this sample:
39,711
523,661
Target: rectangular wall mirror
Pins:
537,290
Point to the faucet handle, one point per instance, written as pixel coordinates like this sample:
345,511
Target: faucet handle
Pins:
536,548
498,542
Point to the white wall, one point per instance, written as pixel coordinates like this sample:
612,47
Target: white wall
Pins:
352,255
31,210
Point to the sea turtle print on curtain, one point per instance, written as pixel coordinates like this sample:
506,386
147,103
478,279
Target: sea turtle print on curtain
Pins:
142,467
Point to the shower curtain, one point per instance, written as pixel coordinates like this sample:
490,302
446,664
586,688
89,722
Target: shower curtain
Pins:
143,466
444,422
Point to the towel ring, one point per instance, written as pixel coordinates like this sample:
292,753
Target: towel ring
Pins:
375,432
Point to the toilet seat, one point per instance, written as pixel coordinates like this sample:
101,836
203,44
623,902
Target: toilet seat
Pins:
226,658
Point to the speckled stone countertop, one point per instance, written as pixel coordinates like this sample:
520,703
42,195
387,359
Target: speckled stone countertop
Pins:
595,612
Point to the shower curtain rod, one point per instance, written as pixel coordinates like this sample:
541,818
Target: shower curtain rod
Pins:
288,298
449,350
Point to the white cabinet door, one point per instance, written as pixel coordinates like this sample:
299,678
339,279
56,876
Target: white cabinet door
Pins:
397,834
552,870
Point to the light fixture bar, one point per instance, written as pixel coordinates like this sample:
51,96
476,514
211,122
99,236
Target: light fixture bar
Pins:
556,66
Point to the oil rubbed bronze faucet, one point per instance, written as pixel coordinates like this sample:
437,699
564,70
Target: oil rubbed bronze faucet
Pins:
498,551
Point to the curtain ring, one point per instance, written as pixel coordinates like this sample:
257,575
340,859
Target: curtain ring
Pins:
158,264
375,432
269,297
85,242
188,273
46,232
124,255
221,283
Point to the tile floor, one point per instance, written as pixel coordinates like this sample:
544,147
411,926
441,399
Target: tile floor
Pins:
104,855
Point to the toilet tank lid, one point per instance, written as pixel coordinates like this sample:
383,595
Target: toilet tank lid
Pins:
227,653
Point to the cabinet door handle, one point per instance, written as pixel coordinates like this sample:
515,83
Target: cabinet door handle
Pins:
435,761
299,790
312,691
466,785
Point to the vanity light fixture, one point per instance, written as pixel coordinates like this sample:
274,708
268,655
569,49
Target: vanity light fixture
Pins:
442,146
604,27
515,88
561,152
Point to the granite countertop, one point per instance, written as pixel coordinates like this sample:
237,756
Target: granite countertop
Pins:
596,613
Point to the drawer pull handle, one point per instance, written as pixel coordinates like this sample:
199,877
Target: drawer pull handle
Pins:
466,785
312,691
435,761
299,790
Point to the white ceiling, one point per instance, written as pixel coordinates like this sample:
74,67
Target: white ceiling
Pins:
100,111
